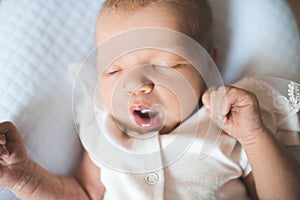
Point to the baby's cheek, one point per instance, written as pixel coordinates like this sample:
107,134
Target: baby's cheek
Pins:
172,105
105,96
196,81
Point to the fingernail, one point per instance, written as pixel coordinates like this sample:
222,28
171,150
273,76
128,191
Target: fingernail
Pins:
4,151
2,141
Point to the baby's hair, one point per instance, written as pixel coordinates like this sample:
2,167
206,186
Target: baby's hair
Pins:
195,16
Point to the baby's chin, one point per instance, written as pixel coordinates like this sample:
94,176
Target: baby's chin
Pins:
167,130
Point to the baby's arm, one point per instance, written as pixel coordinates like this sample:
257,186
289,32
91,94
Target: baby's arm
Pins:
295,7
29,181
275,174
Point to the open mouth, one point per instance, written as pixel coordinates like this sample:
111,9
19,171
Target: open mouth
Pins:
145,117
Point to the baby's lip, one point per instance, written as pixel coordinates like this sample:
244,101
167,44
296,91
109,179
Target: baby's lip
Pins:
139,107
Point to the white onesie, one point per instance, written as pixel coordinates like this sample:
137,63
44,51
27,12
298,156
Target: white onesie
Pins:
194,161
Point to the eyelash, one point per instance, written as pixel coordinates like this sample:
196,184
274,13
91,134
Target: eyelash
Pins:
170,66
113,72
110,73
177,66
118,70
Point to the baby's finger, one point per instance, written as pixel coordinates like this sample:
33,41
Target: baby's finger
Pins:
236,101
207,98
2,139
5,126
3,151
10,131
220,101
212,100
239,99
217,104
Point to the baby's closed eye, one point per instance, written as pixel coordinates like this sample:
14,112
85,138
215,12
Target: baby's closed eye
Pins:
112,70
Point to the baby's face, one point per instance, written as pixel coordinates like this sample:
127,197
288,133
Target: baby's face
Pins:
144,81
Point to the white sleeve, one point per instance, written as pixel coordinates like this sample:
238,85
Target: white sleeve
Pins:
244,163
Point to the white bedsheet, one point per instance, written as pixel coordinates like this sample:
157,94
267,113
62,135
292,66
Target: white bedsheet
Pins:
38,41
256,37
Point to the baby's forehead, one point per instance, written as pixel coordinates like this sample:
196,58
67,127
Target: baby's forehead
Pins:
149,56
111,23
191,17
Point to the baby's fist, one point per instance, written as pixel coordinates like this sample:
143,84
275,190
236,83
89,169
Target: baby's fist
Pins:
13,157
234,110
3,150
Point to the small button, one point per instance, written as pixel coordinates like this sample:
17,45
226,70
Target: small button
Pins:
151,178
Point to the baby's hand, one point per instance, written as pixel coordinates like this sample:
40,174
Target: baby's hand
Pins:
236,111
13,157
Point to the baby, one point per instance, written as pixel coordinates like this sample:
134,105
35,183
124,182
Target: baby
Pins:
151,107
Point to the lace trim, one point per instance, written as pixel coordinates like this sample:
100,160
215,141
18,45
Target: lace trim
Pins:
291,103
282,105
294,96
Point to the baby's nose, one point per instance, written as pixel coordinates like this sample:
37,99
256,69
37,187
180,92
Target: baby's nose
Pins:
145,89
135,85
138,81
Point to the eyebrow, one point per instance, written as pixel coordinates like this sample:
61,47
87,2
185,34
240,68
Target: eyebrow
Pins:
173,58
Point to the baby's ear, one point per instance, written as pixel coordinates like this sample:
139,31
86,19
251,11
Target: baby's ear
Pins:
213,52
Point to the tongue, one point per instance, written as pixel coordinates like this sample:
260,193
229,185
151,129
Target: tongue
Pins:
147,119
